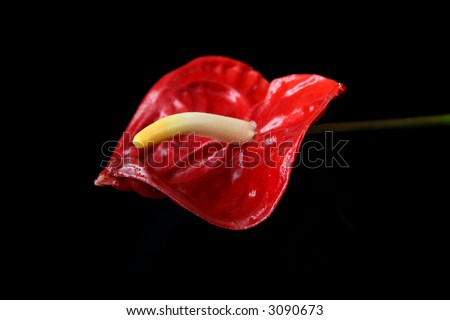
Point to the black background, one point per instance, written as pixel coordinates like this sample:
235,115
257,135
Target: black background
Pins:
376,230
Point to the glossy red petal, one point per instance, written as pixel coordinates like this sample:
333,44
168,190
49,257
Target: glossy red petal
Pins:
210,84
229,186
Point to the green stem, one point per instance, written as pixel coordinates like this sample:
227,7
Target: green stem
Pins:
416,122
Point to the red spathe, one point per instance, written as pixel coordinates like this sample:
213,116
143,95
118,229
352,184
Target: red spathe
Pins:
227,185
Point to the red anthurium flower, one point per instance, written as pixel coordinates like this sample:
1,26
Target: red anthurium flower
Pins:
232,185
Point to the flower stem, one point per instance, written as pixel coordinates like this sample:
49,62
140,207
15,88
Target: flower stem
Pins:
402,123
